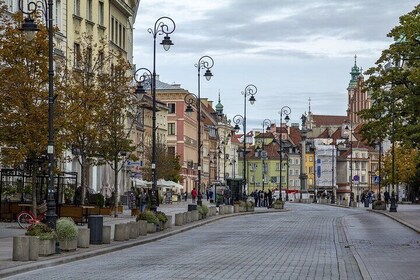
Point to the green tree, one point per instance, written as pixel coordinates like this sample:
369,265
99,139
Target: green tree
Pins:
394,86
168,166
121,118
24,98
85,103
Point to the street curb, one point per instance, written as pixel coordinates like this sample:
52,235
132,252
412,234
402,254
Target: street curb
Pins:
416,229
123,245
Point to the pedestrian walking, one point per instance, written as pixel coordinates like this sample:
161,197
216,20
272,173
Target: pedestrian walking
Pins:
386,197
257,198
185,196
270,198
143,200
193,194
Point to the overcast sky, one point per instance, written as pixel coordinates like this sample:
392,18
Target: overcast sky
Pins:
291,50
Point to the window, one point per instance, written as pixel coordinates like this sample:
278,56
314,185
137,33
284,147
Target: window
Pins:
57,14
311,169
297,161
89,10
252,166
101,13
171,151
123,40
112,29
77,7
77,55
363,165
278,166
363,178
291,183
89,59
119,34
311,158
171,128
11,6
296,171
171,108
252,179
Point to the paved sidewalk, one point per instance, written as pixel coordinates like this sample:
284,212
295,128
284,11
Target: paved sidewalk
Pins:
408,215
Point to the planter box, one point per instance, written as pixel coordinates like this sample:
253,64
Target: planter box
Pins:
151,228
379,207
46,247
278,206
105,211
68,244
242,209
251,209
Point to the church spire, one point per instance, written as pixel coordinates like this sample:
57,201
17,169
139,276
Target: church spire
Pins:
355,73
219,107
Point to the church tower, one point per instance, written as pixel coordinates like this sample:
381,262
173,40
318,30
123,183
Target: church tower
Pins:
358,98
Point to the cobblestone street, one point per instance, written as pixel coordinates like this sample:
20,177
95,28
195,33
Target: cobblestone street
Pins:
307,242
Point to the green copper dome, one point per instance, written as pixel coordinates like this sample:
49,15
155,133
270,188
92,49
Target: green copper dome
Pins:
355,72
219,107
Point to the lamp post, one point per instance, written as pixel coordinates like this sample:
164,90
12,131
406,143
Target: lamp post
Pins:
287,176
333,159
349,131
393,207
224,143
250,90
205,62
379,169
163,25
286,111
266,124
29,27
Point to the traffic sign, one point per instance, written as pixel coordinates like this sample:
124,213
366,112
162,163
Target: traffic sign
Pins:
356,178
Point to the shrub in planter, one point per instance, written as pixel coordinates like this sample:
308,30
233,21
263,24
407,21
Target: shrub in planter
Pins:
148,216
41,230
203,210
67,233
161,217
242,206
47,237
278,204
249,206
100,200
379,205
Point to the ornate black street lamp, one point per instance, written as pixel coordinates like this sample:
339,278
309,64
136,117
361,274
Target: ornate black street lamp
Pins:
350,131
285,110
205,62
164,25
250,90
29,27
266,124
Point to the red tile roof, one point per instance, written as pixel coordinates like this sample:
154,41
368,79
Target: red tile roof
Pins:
320,120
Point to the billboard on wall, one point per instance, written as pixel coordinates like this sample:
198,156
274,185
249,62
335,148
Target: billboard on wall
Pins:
325,158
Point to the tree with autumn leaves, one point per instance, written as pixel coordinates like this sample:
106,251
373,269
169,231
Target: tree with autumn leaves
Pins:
24,99
394,86
93,102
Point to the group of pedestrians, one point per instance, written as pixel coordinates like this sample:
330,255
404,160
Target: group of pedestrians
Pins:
262,198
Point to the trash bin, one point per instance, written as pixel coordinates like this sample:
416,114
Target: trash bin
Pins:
366,202
95,224
192,207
